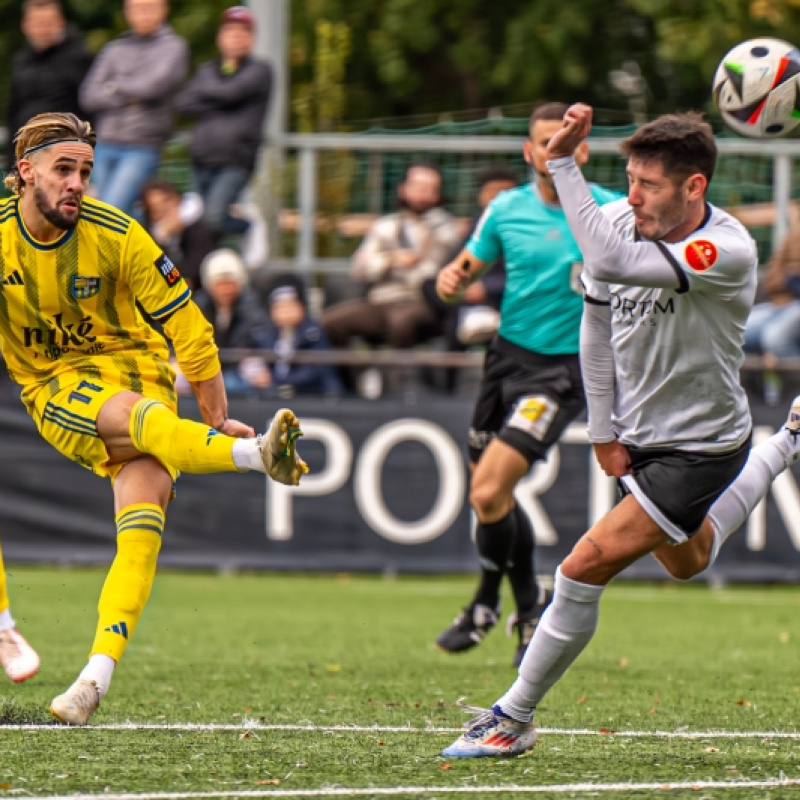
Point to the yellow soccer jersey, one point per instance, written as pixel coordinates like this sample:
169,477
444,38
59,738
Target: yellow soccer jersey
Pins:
69,308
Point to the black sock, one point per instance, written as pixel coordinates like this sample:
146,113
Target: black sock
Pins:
495,542
522,566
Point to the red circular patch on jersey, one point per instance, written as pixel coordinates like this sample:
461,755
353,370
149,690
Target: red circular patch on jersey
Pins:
701,255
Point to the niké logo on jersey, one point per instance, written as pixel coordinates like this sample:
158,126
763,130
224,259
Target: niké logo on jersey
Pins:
60,337
84,287
61,333
167,270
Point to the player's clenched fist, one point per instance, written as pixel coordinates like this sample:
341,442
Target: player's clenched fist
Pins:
452,280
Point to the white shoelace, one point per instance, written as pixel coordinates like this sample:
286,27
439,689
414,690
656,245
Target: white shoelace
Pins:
482,717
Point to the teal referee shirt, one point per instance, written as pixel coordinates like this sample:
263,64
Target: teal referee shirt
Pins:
542,302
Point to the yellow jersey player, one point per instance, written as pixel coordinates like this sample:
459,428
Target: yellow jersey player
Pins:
96,378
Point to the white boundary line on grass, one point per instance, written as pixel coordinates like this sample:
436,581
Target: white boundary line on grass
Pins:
562,788
259,726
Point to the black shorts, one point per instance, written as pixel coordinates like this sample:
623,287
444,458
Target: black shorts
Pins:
677,487
526,399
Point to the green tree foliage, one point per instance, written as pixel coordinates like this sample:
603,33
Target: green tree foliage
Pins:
357,60
691,36
429,57
411,57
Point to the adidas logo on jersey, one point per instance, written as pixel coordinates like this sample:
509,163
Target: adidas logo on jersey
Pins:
14,279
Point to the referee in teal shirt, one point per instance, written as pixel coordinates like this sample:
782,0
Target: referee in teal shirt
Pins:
531,387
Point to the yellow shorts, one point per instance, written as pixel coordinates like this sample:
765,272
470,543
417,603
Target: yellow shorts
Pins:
68,421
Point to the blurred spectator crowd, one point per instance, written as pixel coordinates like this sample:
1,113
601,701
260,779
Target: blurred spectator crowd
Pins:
135,89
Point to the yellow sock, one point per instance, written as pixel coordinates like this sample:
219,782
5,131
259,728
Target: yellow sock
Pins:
186,445
4,602
130,578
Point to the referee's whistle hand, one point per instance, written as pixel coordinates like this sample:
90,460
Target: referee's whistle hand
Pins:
451,282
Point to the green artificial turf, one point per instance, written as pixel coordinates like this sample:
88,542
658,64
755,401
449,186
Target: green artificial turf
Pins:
358,651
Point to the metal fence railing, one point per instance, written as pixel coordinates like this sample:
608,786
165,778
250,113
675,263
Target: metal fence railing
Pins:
333,185
327,177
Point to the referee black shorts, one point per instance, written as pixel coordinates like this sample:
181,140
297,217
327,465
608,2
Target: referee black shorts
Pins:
526,399
677,487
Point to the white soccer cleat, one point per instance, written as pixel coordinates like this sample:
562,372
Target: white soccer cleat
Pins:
492,733
20,661
278,449
77,704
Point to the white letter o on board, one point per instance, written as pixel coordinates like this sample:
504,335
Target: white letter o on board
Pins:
367,481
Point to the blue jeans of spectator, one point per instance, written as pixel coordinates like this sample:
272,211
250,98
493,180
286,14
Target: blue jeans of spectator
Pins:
220,187
774,329
121,170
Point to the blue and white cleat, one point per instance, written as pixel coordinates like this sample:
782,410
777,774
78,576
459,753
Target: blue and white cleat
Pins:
492,733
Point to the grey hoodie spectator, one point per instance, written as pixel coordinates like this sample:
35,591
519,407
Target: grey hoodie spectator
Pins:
47,73
228,97
131,89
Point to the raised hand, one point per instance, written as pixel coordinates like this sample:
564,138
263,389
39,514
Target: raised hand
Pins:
576,127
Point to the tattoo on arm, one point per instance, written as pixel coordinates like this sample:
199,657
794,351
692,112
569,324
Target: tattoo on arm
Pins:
594,544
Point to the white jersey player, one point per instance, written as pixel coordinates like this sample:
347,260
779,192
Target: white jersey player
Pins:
677,342
669,282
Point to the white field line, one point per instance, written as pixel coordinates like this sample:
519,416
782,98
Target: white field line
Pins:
560,788
245,726
780,598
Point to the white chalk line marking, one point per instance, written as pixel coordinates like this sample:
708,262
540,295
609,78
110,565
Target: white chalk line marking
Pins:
562,788
245,726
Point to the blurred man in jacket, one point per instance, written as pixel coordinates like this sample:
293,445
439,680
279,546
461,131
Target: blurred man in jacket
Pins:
228,98
130,90
47,73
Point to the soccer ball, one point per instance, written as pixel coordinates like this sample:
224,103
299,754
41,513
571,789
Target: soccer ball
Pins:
757,88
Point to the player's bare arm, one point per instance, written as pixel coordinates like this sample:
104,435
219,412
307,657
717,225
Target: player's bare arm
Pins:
454,278
213,404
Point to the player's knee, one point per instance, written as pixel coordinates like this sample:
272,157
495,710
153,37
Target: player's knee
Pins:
487,501
579,566
685,570
586,564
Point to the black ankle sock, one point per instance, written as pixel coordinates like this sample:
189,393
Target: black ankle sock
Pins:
495,542
522,566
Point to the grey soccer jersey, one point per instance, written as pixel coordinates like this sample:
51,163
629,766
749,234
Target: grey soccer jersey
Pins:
674,315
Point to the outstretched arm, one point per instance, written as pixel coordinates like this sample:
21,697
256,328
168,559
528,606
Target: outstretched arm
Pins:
607,256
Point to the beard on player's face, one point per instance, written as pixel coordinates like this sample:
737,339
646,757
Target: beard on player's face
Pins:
55,214
663,220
